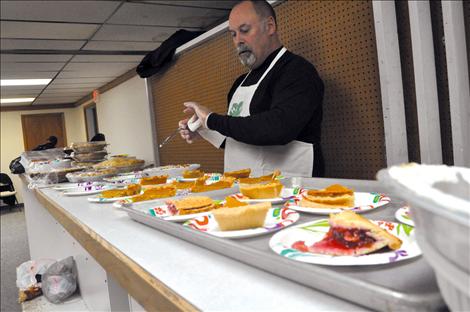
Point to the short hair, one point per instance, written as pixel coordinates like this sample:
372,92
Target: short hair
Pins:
263,9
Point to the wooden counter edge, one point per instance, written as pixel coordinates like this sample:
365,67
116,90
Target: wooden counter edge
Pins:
151,293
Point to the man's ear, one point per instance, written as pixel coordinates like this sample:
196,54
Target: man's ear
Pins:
271,25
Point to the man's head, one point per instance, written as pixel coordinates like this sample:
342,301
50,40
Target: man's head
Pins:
252,25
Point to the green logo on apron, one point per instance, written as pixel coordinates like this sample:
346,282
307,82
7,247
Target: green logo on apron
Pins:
236,109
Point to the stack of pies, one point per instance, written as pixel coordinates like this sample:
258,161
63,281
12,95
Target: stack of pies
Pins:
89,153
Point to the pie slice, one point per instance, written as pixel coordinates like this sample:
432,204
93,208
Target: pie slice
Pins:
244,173
191,204
161,191
191,174
225,182
261,179
153,180
352,235
261,191
334,196
243,217
132,189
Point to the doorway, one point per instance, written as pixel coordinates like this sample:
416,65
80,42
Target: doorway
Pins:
37,128
91,121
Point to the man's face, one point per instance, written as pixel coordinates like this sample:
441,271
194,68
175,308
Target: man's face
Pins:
250,35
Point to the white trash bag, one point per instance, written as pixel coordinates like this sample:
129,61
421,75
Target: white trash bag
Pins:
28,278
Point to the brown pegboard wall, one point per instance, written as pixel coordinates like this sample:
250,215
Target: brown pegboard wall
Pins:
338,38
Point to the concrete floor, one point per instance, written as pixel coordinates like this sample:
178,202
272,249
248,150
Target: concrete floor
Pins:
14,251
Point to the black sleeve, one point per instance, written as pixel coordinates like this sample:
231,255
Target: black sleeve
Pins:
295,94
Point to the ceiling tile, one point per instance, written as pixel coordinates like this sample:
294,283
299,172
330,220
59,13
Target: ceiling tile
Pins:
39,30
220,4
16,89
106,58
78,86
82,80
19,94
59,11
54,101
121,46
27,75
13,104
34,58
135,33
31,44
165,15
32,66
58,98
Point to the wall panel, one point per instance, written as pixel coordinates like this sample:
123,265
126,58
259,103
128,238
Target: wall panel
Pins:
338,38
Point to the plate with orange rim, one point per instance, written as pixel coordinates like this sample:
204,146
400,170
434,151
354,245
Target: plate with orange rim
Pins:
276,219
363,202
286,194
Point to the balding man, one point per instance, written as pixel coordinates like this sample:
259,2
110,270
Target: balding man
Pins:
275,110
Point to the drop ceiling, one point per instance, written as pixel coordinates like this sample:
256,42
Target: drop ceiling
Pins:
83,45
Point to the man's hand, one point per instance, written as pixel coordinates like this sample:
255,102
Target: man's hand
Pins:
187,135
201,112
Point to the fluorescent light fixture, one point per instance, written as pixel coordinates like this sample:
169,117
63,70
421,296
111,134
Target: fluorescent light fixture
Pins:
24,82
17,100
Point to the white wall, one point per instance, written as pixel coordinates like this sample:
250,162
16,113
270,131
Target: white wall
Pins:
11,131
124,118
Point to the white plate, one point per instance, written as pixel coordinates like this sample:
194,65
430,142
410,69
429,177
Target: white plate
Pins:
362,202
99,199
286,194
276,219
86,190
403,215
314,231
169,170
69,185
213,177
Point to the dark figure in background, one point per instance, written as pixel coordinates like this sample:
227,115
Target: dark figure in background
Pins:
98,137
51,143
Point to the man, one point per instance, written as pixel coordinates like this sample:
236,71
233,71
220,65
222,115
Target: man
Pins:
51,143
275,111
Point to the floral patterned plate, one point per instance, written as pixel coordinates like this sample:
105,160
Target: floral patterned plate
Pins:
362,202
283,243
286,194
73,185
276,219
403,215
164,213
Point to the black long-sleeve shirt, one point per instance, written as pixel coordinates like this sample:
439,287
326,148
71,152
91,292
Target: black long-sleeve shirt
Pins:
286,106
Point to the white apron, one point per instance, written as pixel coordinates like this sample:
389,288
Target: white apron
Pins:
294,159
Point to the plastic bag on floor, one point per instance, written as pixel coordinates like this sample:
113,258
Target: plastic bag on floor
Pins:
60,280
28,278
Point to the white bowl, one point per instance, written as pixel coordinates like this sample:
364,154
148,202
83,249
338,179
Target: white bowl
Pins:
439,199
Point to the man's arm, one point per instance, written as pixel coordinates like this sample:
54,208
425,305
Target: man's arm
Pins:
295,98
